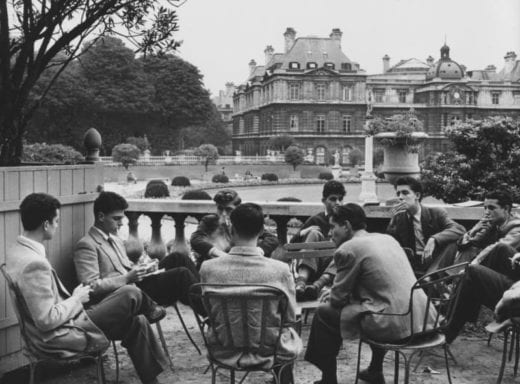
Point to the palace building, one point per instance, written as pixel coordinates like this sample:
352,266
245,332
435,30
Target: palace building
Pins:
316,94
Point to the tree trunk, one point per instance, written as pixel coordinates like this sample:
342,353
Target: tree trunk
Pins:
11,134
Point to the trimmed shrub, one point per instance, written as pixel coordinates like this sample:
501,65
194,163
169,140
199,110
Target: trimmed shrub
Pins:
156,189
51,153
181,181
196,194
290,199
270,177
220,178
325,176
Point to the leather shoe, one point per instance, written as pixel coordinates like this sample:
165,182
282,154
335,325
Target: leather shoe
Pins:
372,377
157,313
311,292
300,289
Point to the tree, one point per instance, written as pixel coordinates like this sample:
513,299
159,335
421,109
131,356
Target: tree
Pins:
126,154
355,156
36,35
208,152
486,157
294,156
280,142
51,153
140,142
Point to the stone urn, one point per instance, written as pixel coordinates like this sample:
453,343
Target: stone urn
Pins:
401,157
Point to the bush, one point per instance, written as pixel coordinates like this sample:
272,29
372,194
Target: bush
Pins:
290,199
355,156
181,181
220,178
126,154
196,194
294,156
51,153
325,176
270,177
156,189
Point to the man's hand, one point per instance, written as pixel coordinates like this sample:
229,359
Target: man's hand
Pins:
305,232
401,207
325,295
136,274
82,293
515,261
477,260
215,252
428,251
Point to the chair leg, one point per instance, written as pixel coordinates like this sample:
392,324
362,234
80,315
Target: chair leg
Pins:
407,362
116,356
504,357
213,374
163,343
186,329
421,358
512,332
232,377
396,367
489,339
100,370
32,371
358,361
517,350
446,352
451,355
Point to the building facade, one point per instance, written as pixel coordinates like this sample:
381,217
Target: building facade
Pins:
316,94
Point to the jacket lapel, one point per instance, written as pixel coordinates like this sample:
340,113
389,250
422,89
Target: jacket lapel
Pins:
107,249
426,223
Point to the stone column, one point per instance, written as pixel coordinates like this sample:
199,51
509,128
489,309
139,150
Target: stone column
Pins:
368,180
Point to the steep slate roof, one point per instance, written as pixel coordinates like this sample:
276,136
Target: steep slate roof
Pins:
512,76
410,65
316,49
482,74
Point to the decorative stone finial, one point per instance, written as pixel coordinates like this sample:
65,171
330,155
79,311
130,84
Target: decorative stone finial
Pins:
92,142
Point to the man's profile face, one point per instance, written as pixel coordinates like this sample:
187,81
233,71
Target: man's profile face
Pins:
111,222
51,226
340,232
331,202
494,212
224,211
407,196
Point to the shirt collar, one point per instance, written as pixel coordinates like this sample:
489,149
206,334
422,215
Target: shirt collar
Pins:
105,236
246,251
417,216
39,246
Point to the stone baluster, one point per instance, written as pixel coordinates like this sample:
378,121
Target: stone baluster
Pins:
156,248
281,228
179,244
133,223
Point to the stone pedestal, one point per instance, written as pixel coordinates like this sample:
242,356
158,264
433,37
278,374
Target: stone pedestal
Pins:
336,172
368,188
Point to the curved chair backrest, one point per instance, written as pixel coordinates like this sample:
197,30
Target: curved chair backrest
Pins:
242,317
442,289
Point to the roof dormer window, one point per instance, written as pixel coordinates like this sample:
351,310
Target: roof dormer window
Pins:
312,65
294,65
330,65
346,66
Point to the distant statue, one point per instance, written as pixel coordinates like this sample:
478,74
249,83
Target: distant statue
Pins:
336,159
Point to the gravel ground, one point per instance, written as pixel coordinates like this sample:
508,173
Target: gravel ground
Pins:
477,363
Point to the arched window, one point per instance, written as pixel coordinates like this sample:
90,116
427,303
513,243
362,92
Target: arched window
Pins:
344,155
320,155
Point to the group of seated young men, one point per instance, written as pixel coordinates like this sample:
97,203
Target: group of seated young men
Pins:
370,272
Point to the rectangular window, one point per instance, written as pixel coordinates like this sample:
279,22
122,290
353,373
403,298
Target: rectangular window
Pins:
444,119
294,91
347,93
320,123
320,91
495,98
516,97
470,99
379,95
347,123
402,95
293,123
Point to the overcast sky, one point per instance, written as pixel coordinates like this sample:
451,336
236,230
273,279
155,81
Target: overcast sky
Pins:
220,37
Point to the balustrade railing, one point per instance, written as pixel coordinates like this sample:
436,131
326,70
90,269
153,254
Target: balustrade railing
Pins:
196,160
161,212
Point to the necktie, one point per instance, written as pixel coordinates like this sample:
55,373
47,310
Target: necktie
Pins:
122,259
419,237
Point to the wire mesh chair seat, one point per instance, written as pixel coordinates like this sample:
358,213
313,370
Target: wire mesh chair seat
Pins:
31,351
442,289
243,329
511,333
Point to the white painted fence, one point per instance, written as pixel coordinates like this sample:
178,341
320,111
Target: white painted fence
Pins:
194,160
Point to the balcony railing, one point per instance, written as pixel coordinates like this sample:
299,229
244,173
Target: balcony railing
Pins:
162,212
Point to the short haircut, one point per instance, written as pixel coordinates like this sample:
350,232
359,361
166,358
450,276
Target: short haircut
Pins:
247,220
503,198
333,187
414,184
108,202
227,196
37,208
352,213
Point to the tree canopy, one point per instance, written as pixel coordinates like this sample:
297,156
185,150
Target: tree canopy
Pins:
208,153
294,156
39,35
486,157
280,142
126,154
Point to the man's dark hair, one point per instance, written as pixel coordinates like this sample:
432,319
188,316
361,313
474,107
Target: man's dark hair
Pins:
414,184
333,187
108,202
352,213
226,196
37,208
247,220
503,198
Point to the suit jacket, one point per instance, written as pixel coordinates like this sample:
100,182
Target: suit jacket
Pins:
247,265
435,223
52,315
374,275
211,234
98,263
321,220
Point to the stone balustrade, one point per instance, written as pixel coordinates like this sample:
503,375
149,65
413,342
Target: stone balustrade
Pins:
279,212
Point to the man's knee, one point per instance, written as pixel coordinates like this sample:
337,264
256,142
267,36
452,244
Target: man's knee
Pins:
329,316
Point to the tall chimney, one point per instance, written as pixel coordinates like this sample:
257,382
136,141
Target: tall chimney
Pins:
252,66
269,51
430,61
386,63
491,68
290,36
336,36
230,88
509,61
